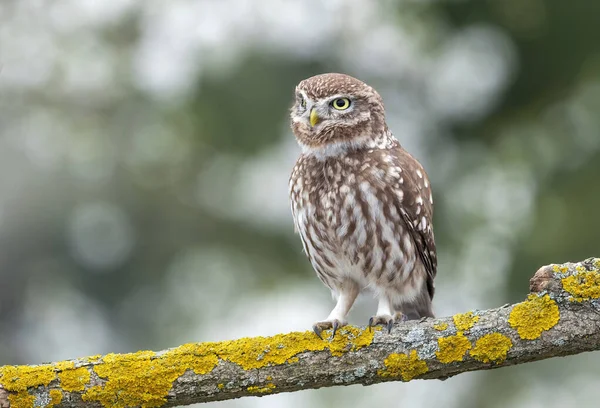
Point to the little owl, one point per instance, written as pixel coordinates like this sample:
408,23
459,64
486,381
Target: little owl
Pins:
361,203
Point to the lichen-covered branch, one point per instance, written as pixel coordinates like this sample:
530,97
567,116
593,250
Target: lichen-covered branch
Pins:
560,317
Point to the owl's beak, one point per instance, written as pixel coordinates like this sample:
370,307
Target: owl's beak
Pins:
314,118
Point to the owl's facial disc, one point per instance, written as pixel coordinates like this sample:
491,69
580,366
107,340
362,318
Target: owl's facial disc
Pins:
335,112
329,108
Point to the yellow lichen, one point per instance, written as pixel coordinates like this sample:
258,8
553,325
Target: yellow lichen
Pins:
293,360
19,378
64,365
260,352
464,321
74,379
583,285
441,326
21,400
403,366
532,317
452,348
94,358
560,268
199,357
220,386
133,380
491,348
55,398
144,379
261,390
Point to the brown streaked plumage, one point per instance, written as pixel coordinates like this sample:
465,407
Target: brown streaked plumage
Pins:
361,203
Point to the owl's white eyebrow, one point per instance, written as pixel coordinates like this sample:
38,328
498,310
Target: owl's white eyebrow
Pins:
302,94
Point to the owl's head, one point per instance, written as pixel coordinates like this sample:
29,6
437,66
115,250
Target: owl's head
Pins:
334,112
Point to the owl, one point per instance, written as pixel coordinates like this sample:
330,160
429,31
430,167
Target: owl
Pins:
361,204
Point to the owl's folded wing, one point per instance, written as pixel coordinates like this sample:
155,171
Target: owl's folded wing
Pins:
417,213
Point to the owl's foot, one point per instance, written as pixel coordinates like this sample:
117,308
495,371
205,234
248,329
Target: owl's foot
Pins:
334,324
383,320
400,317
387,320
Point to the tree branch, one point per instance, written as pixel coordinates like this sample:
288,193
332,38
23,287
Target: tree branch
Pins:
560,317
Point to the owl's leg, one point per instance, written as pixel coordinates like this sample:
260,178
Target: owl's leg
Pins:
385,314
337,318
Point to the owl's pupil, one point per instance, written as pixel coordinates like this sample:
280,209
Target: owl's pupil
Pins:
339,103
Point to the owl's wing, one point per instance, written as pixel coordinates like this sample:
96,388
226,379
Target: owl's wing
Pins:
417,212
426,250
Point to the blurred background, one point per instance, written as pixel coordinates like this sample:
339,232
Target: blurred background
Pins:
145,151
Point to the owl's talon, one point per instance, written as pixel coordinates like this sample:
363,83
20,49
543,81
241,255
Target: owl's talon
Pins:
327,324
336,325
317,331
390,324
383,320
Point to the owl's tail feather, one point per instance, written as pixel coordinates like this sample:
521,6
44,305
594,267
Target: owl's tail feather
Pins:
417,309
414,312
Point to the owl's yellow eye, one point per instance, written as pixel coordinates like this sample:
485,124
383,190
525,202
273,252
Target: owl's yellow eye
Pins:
341,103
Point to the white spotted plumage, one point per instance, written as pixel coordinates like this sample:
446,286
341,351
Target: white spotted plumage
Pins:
357,202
